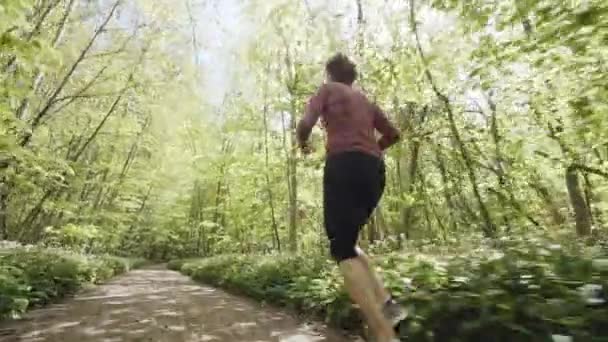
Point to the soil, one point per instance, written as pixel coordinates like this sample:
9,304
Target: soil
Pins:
160,305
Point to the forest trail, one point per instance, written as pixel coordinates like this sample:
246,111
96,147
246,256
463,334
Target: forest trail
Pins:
160,305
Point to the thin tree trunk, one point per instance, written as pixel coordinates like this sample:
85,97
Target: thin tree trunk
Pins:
360,29
275,228
291,158
460,203
413,171
129,160
219,196
223,222
194,40
85,191
544,194
31,217
400,191
196,218
427,204
588,195
596,213
99,197
446,191
4,207
142,206
582,215
293,181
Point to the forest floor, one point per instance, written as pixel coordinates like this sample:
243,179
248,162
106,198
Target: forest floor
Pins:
155,304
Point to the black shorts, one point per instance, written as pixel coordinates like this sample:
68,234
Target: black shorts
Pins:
353,183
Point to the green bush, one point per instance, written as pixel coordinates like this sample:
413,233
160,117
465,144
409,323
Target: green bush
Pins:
13,290
35,276
526,291
135,263
176,264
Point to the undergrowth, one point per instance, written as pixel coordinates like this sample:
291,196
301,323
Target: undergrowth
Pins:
33,276
521,291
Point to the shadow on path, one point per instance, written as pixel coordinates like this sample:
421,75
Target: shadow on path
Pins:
161,305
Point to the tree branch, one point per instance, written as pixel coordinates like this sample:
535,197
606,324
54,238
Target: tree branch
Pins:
82,90
574,166
40,75
103,121
45,109
111,110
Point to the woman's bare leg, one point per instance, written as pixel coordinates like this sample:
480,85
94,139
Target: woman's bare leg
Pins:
380,292
361,290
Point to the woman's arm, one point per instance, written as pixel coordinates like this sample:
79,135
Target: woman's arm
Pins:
313,111
390,134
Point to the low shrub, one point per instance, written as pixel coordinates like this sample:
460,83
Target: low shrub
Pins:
176,264
32,276
135,263
524,291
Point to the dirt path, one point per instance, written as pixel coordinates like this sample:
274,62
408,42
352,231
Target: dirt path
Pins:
161,305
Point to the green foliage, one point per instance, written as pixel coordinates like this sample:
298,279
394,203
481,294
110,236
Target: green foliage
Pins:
71,236
80,128
36,276
524,291
139,154
524,85
129,151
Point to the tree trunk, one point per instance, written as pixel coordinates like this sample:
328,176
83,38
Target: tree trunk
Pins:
291,82
113,192
413,171
3,208
596,213
372,229
544,194
446,191
275,228
293,185
219,193
582,216
459,204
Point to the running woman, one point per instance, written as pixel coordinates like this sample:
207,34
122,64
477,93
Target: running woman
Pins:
353,183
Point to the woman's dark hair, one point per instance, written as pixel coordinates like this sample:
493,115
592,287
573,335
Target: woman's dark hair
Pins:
341,69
